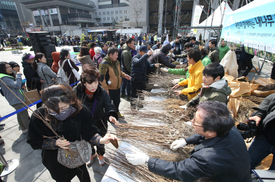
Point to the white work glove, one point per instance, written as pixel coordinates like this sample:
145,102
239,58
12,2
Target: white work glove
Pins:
164,70
177,144
184,107
137,158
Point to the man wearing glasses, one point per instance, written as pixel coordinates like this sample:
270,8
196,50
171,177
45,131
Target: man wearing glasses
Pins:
220,155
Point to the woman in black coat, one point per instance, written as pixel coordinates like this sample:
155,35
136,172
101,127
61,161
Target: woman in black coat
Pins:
93,96
70,119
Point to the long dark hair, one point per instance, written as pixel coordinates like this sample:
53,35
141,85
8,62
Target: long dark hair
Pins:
3,68
84,51
38,55
54,94
63,54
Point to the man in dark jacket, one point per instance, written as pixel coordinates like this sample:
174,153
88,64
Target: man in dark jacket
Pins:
264,143
221,153
195,43
160,56
126,63
140,65
214,54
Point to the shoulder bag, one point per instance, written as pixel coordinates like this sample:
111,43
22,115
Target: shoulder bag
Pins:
79,152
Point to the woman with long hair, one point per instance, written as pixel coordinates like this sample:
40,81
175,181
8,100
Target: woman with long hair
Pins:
67,65
92,95
70,119
11,86
43,70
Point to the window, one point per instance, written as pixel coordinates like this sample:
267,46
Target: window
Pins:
95,13
108,12
116,12
116,18
112,12
125,11
103,13
112,18
108,18
99,13
121,18
120,11
104,19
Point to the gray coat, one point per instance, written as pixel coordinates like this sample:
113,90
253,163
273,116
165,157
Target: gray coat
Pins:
45,73
14,85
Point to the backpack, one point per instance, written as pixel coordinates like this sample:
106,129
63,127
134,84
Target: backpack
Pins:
96,61
61,76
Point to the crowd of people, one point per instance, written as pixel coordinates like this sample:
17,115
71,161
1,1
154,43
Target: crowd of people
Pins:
120,70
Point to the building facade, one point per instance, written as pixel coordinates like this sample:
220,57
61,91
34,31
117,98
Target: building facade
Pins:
71,17
9,21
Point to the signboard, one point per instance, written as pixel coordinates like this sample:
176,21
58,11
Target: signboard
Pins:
258,29
36,13
53,11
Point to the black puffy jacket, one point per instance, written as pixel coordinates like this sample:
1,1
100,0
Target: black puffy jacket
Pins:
140,67
224,159
103,108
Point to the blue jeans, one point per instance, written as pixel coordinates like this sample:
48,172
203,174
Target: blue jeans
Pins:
259,149
126,84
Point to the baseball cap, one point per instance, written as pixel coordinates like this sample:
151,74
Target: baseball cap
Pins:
27,57
13,64
143,48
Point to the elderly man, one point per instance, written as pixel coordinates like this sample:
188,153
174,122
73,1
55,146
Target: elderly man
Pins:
221,153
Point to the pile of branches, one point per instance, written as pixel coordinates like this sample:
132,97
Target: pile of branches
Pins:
163,80
135,173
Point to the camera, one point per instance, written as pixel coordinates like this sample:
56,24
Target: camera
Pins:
248,130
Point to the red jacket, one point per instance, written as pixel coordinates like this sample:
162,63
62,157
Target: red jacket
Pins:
92,53
55,56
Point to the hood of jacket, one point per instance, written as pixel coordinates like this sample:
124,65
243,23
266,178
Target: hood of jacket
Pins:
56,56
221,86
166,48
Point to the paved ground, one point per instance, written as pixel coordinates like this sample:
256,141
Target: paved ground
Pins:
15,147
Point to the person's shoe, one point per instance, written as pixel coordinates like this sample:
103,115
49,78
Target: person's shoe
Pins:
119,115
101,160
91,160
123,96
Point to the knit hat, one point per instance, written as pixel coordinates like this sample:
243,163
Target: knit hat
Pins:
13,64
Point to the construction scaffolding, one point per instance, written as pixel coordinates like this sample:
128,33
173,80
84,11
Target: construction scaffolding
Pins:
209,6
